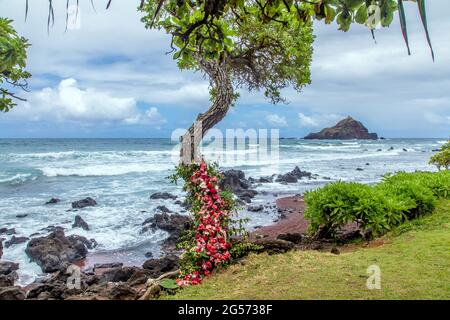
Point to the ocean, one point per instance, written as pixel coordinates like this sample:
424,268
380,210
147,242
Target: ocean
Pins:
121,174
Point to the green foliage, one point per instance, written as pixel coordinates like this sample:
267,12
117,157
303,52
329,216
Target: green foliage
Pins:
258,52
214,25
242,249
442,158
376,209
13,55
170,284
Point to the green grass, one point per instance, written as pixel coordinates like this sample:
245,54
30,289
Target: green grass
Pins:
414,260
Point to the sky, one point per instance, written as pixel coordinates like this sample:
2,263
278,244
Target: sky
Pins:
112,78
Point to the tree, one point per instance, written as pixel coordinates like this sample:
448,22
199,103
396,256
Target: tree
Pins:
13,56
256,44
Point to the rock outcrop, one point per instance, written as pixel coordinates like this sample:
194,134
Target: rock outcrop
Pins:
8,274
294,176
53,201
56,251
7,231
88,202
157,267
163,195
80,223
15,240
235,181
348,128
174,224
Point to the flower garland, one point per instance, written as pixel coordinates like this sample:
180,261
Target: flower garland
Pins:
211,217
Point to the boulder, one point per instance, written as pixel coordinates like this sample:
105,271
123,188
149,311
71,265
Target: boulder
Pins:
80,223
174,224
56,251
170,223
12,293
158,267
8,280
246,195
1,247
108,265
7,267
7,231
117,274
294,175
88,202
140,276
234,180
121,291
163,195
163,209
15,240
255,208
266,179
296,238
347,128
53,201
274,246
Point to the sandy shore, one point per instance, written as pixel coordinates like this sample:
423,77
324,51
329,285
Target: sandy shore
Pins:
294,222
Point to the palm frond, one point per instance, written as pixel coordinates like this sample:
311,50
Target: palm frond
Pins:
401,13
423,16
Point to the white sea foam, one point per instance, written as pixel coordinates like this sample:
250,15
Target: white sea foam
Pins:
98,170
18,178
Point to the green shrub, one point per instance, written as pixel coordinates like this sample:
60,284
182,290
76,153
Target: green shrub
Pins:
378,208
330,207
442,158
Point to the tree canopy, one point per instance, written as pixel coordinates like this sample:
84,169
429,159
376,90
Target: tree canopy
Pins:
13,56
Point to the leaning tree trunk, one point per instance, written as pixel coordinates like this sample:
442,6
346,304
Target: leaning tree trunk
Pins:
221,82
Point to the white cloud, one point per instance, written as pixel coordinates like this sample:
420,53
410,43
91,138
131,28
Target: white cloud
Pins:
276,120
318,120
150,116
69,102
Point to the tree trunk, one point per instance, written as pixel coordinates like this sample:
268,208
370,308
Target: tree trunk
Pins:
221,82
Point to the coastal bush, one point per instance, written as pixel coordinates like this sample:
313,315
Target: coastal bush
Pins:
442,158
376,209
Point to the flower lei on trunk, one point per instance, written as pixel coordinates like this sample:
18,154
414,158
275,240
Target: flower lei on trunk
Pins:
207,245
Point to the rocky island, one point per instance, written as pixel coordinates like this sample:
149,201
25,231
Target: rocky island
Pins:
345,129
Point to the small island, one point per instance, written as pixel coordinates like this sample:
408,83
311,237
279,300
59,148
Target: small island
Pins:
345,129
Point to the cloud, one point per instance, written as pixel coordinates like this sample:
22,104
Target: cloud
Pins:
151,116
276,120
68,102
318,120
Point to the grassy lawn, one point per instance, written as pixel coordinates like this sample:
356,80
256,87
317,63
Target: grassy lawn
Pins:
414,261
